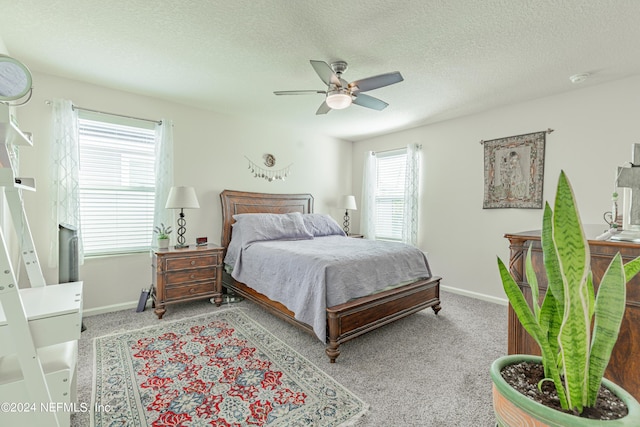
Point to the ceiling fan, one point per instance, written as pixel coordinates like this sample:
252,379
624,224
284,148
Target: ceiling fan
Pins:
340,94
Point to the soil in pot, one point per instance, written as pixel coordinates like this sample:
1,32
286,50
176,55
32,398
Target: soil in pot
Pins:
525,376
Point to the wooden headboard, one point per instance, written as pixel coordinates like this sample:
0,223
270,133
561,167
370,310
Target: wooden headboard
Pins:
242,202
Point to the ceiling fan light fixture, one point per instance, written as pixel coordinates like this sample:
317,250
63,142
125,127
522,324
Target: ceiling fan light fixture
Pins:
338,99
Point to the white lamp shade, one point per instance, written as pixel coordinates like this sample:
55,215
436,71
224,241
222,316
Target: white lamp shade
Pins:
182,198
348,202
338,100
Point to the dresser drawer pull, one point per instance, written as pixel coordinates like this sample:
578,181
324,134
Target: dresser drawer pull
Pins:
193,262
192,290
193,276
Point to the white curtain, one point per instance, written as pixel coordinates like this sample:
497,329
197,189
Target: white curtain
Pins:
368,203
64,182
164,173
411,195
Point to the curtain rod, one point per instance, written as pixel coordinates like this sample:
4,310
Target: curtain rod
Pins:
548,131
75,107
418,146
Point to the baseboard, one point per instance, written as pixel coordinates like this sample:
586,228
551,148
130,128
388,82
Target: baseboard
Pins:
131,305
476,295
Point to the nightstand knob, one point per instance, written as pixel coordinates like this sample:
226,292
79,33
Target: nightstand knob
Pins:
193,262
193,276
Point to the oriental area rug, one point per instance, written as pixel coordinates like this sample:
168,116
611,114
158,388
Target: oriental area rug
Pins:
220,369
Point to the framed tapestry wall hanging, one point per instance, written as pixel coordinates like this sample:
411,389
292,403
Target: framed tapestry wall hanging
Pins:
514,171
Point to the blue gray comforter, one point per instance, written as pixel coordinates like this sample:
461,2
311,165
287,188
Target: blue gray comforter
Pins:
308,276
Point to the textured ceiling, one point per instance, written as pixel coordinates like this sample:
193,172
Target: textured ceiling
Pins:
457,57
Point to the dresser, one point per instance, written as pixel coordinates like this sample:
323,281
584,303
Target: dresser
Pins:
625,360
186,274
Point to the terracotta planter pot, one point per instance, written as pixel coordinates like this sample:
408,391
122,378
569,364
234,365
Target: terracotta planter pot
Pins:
514,409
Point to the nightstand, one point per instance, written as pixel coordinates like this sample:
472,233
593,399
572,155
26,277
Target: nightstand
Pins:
186,274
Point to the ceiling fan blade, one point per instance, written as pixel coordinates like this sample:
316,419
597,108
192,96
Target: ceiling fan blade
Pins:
376,82
323,109
369,101
299,92
325,72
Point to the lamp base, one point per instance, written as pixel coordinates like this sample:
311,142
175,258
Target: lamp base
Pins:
345,224
181,229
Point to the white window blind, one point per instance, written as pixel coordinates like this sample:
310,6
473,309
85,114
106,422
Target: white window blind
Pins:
117,184
390,182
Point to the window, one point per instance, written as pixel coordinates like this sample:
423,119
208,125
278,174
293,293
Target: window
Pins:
117,183
391,169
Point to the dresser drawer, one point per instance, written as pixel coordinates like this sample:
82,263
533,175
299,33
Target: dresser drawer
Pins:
192,262
182,276
187,291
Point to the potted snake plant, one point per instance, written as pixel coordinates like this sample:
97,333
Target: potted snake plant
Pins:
575,329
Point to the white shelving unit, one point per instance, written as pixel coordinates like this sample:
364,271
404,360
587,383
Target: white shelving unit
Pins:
39,325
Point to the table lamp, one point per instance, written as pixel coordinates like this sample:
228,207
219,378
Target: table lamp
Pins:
182,198
346,203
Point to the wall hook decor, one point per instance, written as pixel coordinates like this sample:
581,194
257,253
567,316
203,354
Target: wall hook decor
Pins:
269,160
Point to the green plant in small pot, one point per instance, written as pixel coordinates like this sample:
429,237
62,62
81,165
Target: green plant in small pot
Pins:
163,235
575,329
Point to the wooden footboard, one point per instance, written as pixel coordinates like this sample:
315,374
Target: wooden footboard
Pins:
354,318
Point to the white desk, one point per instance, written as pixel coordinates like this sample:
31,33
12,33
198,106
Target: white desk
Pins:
54,313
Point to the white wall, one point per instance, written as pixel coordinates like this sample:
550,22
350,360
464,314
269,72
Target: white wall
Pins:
594,128
209,155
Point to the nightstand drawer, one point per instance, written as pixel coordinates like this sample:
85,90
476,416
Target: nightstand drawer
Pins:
192,262
182,292
182,276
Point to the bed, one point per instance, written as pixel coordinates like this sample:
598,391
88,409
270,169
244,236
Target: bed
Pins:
344,321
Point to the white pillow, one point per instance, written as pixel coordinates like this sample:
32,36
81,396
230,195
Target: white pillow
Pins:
266,226
322,225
